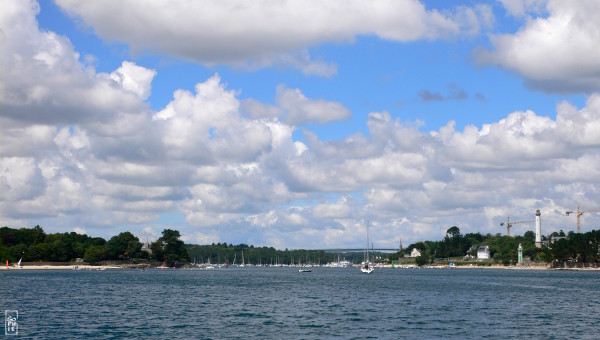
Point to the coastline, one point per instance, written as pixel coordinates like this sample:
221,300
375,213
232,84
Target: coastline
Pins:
502,267
63,267
129,266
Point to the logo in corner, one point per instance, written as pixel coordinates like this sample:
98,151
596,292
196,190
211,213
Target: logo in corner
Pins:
11,327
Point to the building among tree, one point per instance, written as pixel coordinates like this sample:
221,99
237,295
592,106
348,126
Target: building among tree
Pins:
146,248
483,253
415,253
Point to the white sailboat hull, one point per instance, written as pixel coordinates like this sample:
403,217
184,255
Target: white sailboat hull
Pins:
367,266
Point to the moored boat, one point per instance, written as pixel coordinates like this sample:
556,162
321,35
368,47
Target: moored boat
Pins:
367,266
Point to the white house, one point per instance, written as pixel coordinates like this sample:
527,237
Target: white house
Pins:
415,253
483,253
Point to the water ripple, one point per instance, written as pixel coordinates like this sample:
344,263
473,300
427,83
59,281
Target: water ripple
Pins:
277,303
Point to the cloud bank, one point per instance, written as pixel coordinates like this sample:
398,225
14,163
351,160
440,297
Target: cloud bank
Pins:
258,34
82,149
556,52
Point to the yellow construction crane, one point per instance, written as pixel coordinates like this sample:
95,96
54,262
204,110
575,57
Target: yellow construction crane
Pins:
509,224
579,213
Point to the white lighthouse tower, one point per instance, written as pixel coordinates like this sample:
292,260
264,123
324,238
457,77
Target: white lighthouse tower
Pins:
538,229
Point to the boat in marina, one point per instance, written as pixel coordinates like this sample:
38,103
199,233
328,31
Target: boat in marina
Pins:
367,266
208,265
339,264
243,264
345,264
304,268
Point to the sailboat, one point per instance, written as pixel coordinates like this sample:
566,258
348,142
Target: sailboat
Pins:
305,268
243,264
209,265
367,266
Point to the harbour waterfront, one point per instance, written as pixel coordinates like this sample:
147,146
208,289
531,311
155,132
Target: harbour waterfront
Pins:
280,302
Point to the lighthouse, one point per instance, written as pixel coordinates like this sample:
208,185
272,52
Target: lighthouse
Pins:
538,229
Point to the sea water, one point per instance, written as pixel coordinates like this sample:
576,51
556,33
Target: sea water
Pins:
283,303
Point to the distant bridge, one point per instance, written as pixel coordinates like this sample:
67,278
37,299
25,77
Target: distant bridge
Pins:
358,250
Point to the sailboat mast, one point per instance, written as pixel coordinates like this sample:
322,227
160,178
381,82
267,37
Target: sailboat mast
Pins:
368,255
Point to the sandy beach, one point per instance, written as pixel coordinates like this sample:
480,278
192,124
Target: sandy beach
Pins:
70,267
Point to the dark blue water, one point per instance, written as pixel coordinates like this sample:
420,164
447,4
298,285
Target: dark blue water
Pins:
282,303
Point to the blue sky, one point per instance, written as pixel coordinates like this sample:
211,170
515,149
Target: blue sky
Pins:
373,75
289,125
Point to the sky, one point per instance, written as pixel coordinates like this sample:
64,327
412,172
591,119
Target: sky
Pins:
295,124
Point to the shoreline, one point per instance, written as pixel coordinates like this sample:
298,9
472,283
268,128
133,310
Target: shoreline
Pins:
63,267
105,267
502,267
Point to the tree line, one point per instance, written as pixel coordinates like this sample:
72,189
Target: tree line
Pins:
576,248
224,253
34,245
558,247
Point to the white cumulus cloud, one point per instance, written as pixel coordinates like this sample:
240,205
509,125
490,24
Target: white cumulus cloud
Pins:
82,149
265,33
301,110
555,53
134,78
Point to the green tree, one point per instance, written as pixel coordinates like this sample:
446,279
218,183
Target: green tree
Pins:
95,254
124,246
158,252
20,251
59,249
560,250
453,232
455,244
422,259
172,247
529,235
